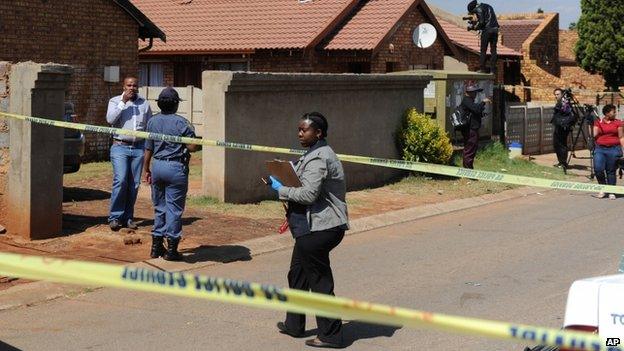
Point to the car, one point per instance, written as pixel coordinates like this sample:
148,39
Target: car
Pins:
73,143
595,305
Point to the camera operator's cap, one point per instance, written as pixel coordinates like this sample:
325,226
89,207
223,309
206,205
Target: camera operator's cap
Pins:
169,94
471,6
471,88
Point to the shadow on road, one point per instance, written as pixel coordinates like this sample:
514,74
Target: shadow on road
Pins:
222,253
354,331
6,347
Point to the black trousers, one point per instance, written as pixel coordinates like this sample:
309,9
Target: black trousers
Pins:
310,270
488,37
471,144
560,144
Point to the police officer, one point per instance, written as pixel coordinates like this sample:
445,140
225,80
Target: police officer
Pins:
168,174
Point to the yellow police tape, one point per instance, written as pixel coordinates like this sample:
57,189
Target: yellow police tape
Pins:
271,297
383,162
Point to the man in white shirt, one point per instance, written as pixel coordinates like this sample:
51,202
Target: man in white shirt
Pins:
126,111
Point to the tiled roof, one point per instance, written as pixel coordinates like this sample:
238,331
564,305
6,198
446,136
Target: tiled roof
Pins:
372,21
241,25
516,32
470,40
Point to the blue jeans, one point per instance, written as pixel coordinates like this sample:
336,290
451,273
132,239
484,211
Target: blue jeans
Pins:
169,188
127,166
605,159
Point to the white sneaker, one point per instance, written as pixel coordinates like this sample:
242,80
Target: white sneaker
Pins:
611,196
600,195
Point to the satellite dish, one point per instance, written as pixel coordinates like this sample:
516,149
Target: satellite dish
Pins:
424,35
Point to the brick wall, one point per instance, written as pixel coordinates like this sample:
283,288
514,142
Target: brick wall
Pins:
570,71
405,53
543,45
282,61
86,34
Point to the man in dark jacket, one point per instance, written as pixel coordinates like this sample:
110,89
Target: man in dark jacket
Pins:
488,25
562,121
470,133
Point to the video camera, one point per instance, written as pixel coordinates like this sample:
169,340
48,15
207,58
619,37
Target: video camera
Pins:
472,22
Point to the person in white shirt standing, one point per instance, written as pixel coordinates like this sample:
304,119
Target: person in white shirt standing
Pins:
126,111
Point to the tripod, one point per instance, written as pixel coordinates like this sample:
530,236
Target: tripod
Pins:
585,125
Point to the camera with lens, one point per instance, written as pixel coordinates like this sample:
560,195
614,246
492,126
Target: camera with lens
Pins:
472,22
567,95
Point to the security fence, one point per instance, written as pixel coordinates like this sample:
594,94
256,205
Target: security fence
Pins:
531,127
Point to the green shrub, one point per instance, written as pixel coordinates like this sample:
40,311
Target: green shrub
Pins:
421,139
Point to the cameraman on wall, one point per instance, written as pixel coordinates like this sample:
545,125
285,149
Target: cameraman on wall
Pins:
563,120
487,23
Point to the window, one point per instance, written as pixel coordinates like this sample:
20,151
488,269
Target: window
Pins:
151,74
187,73
391,66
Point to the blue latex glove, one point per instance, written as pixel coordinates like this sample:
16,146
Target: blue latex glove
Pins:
275,184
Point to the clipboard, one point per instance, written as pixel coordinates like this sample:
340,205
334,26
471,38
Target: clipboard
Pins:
284,171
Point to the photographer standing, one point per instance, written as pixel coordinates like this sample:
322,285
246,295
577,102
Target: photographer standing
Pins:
488,25
562,120
609,136
470,132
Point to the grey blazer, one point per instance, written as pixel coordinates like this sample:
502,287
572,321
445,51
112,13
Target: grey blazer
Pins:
323,188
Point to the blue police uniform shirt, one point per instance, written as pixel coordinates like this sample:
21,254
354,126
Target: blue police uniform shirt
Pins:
170,125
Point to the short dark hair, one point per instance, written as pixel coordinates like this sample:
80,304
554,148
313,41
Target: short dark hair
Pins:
168,106
317,121
558,89
608,108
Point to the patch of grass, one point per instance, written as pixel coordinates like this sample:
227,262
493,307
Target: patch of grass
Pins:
90,171
195,166
495,157
261,210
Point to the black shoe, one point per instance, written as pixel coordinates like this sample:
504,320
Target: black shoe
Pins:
319,343
114,225
284,330
131,225
172,253
158,249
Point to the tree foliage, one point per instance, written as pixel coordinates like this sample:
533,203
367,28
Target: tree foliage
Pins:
600,48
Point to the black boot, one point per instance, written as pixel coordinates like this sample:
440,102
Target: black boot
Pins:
158,249
172,253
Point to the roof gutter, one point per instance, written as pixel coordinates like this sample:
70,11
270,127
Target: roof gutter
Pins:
149,45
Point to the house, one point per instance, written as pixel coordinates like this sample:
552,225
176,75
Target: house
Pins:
91,36
548,56
329,36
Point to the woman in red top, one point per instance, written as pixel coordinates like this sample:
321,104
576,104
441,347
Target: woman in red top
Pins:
609,137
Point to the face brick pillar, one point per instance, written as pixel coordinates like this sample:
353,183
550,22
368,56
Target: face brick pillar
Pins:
35,189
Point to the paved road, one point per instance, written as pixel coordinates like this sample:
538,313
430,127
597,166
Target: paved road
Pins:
509,261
